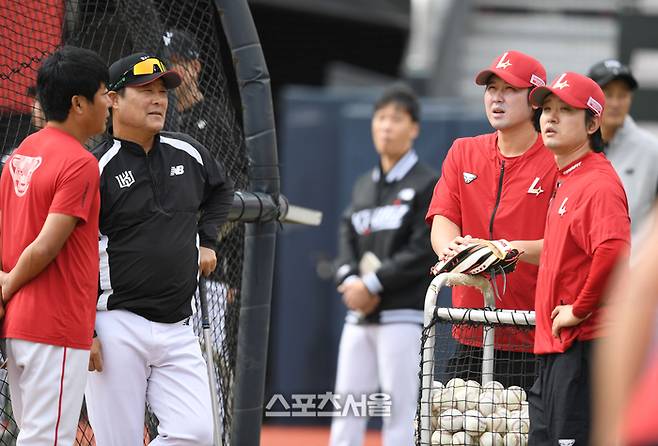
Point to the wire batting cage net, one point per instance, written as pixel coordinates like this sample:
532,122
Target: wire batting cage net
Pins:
188,37
476,369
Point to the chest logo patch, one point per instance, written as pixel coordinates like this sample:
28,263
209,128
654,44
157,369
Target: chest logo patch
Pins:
563,208
535,187
407,194
177,170
125,179
469,177
21,168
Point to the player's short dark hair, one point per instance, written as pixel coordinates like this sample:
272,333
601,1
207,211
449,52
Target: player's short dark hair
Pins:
68,72
595,139
536,112
403,97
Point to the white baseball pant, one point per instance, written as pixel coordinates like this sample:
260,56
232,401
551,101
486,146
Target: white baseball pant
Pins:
374,357
145,361
46,383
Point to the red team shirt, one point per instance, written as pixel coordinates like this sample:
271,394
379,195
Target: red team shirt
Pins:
588,209
51,172
467,193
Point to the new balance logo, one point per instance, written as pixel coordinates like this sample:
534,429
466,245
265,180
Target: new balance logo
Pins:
125,179
502,63
177,170
570,442
469,177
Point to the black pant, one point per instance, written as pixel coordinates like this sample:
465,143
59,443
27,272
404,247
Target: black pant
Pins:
510,368
559,401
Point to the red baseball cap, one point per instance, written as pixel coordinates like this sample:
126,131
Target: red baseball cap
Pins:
575,89
515,68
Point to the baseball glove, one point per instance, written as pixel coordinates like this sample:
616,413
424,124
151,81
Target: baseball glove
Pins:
480,257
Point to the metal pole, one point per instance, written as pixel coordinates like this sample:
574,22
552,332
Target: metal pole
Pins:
445,279
428,358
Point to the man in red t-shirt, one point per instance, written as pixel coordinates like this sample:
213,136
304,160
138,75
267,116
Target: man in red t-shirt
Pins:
49,204
587,231
493,186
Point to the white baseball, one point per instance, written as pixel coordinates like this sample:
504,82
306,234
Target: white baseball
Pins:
525,409
515,439
486,404
442,401
516,423
492,385
511,398
472,397
519,391
495,423
456,382
501,411
474,422
491,439
462,439
472,384
437,389
459,395
451,420
441,437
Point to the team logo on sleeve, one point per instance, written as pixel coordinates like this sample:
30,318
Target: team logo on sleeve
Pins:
535,188
469,177
21,168
125,179
563,207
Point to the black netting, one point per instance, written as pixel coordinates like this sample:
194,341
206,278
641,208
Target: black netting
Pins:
463,410
188,36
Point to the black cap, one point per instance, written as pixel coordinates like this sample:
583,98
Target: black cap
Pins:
178,43
122,75
609,70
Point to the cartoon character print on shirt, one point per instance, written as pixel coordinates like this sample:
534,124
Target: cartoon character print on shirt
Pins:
22,168
386,217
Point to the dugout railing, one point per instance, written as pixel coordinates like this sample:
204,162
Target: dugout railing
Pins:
461,399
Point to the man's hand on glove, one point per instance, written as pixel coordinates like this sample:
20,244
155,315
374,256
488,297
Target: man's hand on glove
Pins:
477,256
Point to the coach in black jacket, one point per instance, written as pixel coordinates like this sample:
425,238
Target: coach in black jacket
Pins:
383,273
163,200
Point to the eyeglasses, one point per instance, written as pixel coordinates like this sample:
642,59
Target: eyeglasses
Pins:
148,66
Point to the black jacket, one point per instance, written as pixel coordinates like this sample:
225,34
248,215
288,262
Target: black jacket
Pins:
387,218
153,207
